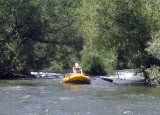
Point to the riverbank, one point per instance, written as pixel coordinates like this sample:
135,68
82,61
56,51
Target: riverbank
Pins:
16,76
6,74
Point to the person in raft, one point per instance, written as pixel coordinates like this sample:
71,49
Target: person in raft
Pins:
77,69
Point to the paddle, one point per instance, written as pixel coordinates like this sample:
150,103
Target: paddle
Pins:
107,79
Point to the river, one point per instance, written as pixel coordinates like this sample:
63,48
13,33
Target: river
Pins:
52,97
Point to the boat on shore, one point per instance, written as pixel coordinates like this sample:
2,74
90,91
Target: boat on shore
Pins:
77,78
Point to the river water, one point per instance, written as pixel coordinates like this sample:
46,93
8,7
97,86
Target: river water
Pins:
52,97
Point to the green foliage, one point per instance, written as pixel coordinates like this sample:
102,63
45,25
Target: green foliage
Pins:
102,35
154,76
134,33
154,46
35,33
93,64
99,63
127,26
97,57
17,16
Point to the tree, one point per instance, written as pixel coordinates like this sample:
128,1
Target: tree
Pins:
31,29
95,59
152,13
126,28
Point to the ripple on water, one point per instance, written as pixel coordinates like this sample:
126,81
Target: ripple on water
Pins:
67,98
42,97
26,96
13,88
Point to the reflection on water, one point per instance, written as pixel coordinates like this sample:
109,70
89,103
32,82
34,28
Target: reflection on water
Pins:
52,97
73,87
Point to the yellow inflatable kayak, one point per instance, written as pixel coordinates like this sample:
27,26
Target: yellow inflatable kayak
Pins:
77,78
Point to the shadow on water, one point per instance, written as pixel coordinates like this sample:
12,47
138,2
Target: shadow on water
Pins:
129,82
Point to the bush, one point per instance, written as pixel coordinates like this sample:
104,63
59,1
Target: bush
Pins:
99,63
93,65
154,76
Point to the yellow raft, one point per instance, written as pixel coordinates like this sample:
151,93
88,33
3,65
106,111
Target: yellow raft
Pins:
77,78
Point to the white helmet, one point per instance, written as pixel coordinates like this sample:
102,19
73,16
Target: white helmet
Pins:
76,65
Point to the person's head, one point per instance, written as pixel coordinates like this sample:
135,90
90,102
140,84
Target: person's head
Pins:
76,65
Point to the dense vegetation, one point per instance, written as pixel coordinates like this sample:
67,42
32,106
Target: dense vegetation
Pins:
101,35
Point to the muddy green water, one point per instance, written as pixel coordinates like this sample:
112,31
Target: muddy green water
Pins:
52,97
